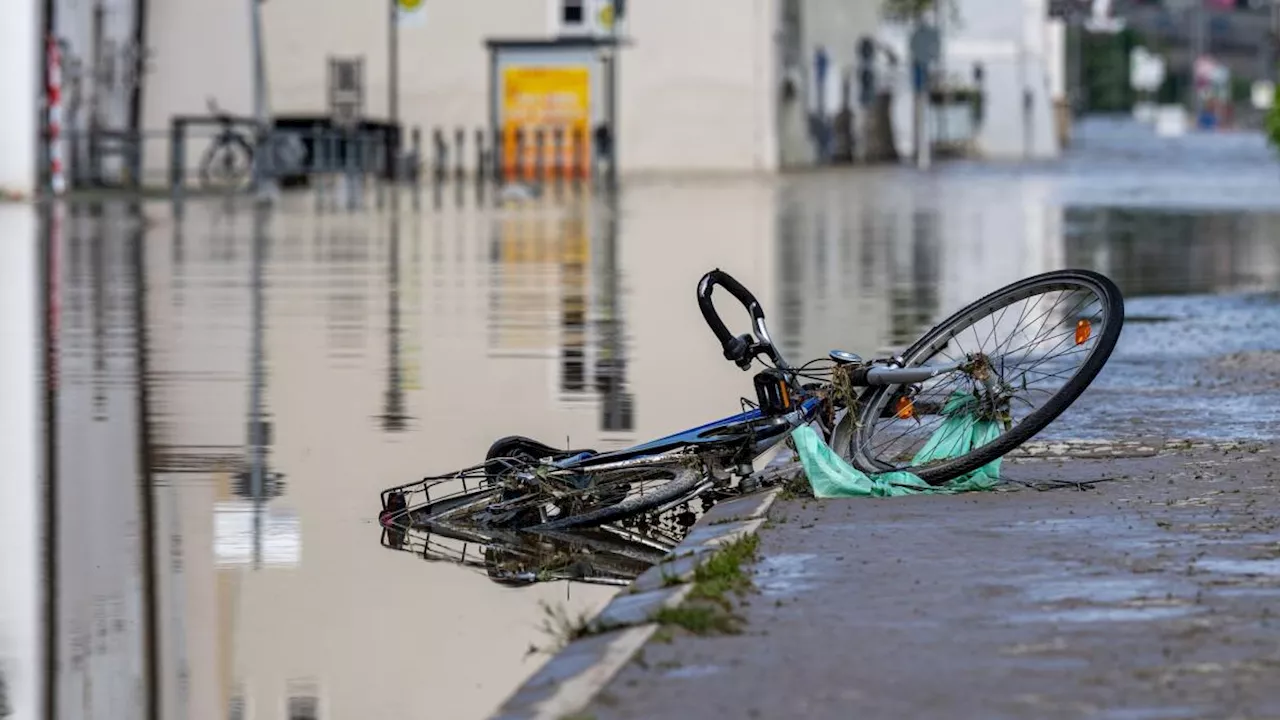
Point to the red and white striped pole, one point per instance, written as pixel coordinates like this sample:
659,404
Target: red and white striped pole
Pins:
53,91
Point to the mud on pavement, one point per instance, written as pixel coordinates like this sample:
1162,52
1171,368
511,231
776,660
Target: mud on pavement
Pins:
1152,594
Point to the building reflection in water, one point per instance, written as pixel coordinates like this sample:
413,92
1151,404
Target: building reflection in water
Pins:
395,416
102,638
556,291
1165,252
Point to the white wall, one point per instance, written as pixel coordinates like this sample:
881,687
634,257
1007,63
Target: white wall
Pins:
698,86
20,416
20,51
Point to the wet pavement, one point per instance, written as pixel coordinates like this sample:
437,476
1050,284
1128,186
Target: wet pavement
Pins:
232,390
1151,595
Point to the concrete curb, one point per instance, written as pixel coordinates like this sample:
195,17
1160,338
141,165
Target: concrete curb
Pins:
580,670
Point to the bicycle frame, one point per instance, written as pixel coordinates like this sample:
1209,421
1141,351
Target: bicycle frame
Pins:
751,434
731,444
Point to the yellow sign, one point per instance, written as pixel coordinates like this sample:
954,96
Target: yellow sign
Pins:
605,17
411,12
546,99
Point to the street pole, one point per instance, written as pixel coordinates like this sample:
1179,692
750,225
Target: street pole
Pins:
1199,46
1075,52
260,181
393,84
1273,72
613,101
940,8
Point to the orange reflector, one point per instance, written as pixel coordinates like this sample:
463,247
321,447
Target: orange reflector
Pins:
1084,329
905,409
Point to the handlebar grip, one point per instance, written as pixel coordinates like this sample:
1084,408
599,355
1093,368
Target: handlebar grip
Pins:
735,349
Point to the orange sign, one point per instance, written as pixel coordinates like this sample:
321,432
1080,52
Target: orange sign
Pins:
552,103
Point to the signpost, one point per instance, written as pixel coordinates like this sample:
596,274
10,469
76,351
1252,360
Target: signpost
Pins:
404,13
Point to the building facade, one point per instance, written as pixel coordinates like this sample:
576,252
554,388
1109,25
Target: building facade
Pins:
1021,54
712,86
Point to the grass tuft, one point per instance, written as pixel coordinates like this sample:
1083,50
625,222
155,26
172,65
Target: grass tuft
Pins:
707,609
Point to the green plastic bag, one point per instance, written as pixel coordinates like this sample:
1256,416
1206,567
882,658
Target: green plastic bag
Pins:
831,476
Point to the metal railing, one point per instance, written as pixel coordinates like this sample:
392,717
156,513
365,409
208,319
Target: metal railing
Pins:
229,154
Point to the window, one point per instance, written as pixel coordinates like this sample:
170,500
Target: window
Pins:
572,12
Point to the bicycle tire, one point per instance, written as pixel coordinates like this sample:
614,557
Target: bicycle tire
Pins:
232,141
1108,293
683,483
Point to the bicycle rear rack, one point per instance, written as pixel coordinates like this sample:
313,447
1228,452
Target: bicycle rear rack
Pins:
401,504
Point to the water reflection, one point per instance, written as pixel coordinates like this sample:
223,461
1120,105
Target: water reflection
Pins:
234,385
395,417
611,555
102,636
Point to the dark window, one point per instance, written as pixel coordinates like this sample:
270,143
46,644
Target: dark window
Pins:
572,12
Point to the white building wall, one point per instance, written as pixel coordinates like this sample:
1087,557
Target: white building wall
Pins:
20,57
21,576
1014,44
699,83
697,86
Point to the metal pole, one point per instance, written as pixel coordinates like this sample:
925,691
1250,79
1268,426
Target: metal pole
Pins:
393,85
1024,99
1273,73
257,439
1199,45
940,7
260,182
613,107
1076,58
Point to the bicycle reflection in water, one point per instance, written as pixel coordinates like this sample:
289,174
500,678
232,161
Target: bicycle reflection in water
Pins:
612,554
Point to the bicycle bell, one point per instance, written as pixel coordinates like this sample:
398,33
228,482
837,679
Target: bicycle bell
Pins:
844,357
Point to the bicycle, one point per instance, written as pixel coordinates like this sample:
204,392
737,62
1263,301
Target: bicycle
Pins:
866,410
227,163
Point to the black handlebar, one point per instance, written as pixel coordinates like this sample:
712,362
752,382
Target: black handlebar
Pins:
743,348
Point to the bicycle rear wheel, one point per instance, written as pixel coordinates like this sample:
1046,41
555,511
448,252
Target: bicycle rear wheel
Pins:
616,494
1041,341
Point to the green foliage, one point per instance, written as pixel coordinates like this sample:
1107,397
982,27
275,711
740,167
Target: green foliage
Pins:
1105,61
1273,126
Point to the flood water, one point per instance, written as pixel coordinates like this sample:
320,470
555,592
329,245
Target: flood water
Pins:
331,354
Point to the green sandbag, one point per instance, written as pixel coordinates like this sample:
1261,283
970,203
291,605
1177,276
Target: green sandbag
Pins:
831,476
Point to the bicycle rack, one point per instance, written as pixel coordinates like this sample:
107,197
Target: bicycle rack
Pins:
402,503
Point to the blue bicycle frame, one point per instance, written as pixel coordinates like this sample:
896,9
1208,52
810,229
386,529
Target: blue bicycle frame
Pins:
752,432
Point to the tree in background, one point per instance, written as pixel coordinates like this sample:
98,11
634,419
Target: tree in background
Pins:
1273,125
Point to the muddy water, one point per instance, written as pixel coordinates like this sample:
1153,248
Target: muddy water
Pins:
333,354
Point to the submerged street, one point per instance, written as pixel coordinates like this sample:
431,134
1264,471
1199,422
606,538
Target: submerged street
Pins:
263,376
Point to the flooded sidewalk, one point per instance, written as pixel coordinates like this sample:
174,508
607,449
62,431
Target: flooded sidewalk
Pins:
1151,595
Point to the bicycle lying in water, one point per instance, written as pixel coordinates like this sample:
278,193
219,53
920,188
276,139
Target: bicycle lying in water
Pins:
876,414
